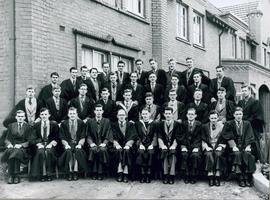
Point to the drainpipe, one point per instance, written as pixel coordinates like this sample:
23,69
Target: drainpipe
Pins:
219,43
12,38
76,49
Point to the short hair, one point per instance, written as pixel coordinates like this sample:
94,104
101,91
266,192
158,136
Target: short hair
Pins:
152,59
30,87
83,67
121,62
104,63
189,58
121,109
112,74
133,73
105,89
197,90
44,109
98,106
168,108
149,94
171,59
56,87
72,109
213,112
244,85
220,66
19,112
138,60
127,91
172,90
191,109
222,89
72,68
83,85
238,109
145,109
197,72
54,74
176,75
93,68
152,74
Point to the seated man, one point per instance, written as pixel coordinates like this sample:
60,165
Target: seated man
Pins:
72,135
240,137
17,142
45,137
166,135
98,135
213,148
191,147
57,106
155,110
124,136
147,142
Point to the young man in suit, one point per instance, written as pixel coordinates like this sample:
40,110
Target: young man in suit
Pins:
213,149
115,89
177,106
187,75
190,146
222,81
166,135
45,137
17,143
141,74
146,143
83,104
131,107
252,112
200,107
70,86
98,135
104,76
30,105
57,106
180,89
94,84
154,110
46,92
160,73
122,77
72,135
172,71
156,89
109,106
224,107
85,79
239,135
137,89
124,136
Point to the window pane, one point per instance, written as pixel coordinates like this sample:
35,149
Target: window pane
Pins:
136,6
87,57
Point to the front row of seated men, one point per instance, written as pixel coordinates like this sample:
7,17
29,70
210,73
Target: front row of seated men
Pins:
98,144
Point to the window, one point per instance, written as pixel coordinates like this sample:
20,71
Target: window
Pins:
182,21
92,58
136,7
268,59
242,48
264,57
233,46
198,29
253,52
128,63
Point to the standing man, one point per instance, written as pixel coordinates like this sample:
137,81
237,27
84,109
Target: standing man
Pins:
98,135
171,71
160,73
141,74
222,81
115,89
70,86
46,91
95,84
85,79
17,142
122,77
154,110
104,76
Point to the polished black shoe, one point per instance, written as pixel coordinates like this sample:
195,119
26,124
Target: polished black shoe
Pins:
16,180
100,177
94,176
142,179
49,178
165,179
242,183
125,179
119,177
192,180
210,181
249,183
69,177
75,176
43,179
186,180
171,179
10,180
217,181
147,179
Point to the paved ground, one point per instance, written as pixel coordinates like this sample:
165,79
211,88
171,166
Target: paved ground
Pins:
110,189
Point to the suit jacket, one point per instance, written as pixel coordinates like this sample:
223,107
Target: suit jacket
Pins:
169,77
14,137
119,91
65,134
229,105
186,82
180,110
57,115
206,98
201,111
161,77
87,81
206,135
155,112
92,89
192,138
181,93
103,79
96,135
158,93
68,91
167,137
133,112
138,94
88,108
20,106
44,94
125,80
146,134
228,84
109,109
142,80
123,138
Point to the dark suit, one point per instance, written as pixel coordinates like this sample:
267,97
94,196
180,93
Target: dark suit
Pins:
227,83
206,96
125,80
169,77
189,80
119,91
47,155
44,94
161,77
158,93
109,109
142,78
132,112
201,111
138,94
180,110
87,81
68,90
103,79
155,112
180,91
88,107
57,115
229,107
93,90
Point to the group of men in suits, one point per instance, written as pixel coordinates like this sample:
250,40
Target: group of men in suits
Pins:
144,122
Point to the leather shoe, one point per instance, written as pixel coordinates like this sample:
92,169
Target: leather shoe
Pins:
165,179
43,179
119,177
147,179
171,180
211,181
10,180
142,180
69,177
192,180
100,177
49,178
217,181
186,180
75,176
125,179
248,183
94,177
16,180
242,183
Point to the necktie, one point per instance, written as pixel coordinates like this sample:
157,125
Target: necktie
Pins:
121,124
73,133
168,127
74,84
149,108
133,85
30,101
98,125
44,132
82,103
196,85
57,103
214,127
20,127
113,85
190,126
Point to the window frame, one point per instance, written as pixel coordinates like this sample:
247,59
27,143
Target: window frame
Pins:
242,53
141,7
198,33
183,34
